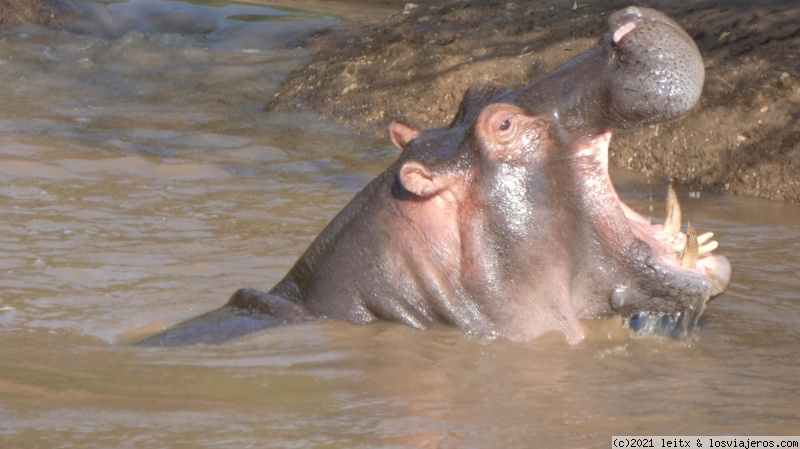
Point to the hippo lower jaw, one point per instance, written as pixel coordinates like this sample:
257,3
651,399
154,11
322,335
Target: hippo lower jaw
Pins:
681,250
674,273
684,253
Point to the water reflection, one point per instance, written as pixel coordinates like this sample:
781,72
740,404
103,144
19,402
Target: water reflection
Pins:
224,24
141,184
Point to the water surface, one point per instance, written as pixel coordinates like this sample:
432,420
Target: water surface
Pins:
141,184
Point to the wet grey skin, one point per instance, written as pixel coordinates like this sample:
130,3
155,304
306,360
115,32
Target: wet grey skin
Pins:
505,222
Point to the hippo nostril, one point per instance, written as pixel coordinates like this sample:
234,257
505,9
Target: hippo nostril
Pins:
623,30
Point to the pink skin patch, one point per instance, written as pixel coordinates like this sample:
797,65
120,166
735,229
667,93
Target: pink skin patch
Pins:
622,31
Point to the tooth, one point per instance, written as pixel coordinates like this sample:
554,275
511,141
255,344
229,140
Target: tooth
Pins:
690,251
702,239
672,225
707,248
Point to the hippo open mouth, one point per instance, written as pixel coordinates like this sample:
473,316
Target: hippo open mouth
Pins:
506,222
681,261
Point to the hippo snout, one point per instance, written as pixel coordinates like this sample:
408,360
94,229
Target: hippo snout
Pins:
658,72
645,70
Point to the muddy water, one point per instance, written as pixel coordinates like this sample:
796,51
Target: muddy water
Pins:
140,184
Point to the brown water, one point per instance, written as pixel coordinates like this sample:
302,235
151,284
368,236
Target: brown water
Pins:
140,184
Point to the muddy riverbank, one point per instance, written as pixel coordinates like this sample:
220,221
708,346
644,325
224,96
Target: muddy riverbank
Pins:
743,138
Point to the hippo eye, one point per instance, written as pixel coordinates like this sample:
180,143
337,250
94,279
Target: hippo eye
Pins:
499,124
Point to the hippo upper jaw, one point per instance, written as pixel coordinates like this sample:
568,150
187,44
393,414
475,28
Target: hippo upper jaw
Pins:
657,269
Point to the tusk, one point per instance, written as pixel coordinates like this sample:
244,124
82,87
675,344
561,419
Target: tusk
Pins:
690,251
672,225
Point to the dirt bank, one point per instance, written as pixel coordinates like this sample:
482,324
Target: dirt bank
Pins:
49,13
744,136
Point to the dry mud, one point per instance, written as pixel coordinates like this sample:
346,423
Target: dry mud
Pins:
49,13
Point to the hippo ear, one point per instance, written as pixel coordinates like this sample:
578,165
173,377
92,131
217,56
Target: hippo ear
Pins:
401,134
418,179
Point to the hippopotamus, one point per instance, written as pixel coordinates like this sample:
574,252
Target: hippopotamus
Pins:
505,222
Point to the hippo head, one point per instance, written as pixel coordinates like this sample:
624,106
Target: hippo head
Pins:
538,225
